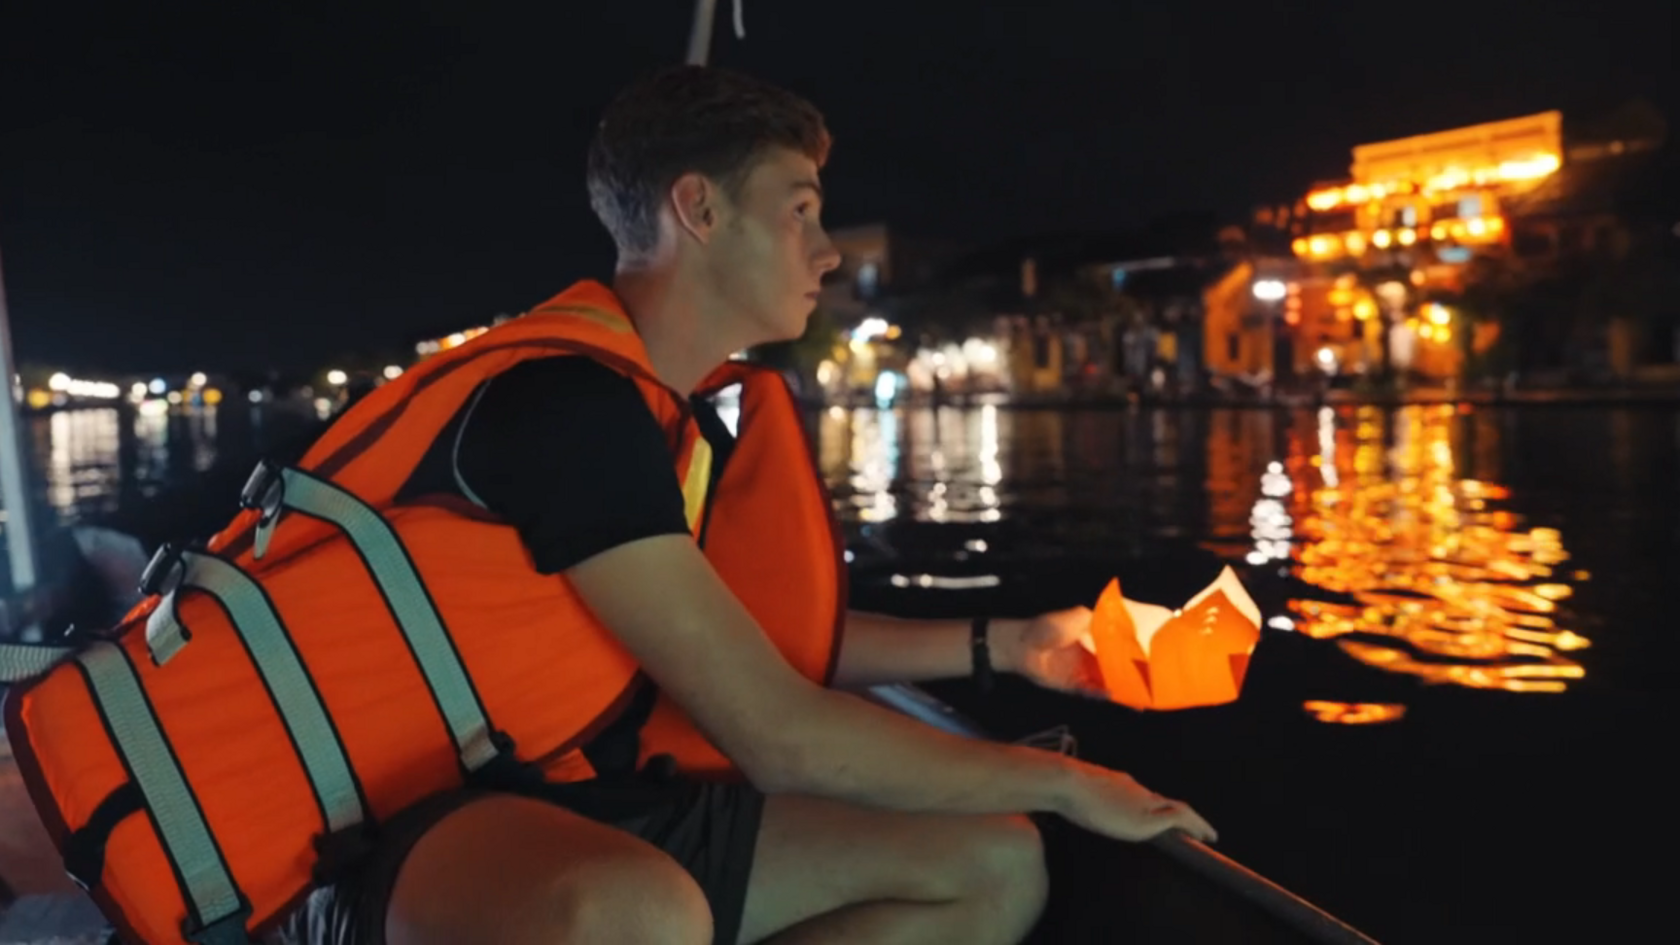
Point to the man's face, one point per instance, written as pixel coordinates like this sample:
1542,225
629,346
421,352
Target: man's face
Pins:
770,251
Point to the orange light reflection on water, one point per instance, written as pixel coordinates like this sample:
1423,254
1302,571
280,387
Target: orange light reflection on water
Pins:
1448,588
1354,713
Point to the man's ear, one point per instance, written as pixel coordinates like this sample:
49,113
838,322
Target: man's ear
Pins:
697,205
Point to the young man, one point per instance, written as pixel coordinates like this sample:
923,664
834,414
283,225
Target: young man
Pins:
850,822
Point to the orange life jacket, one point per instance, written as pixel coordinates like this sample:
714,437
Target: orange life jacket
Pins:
333,656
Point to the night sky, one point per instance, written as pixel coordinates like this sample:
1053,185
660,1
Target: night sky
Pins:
237,184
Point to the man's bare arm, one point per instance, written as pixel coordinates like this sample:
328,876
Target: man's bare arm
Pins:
881,649
662,599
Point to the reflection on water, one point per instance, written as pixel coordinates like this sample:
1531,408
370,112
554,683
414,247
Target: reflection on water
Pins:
1402,515
943,462
1271,524
1448,586
88,463
1447,582
151,429
1354,713
82,471
1086,479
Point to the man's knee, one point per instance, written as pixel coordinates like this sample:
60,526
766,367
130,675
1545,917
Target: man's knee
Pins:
1007,860
632,899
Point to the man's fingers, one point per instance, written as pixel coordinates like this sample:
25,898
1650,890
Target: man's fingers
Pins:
1193,824
1181,815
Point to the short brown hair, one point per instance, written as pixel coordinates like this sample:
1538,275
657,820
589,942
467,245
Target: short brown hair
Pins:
689,119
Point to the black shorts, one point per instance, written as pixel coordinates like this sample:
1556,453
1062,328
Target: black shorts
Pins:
709,828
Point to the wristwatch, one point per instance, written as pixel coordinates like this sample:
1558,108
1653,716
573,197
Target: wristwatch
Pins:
983,675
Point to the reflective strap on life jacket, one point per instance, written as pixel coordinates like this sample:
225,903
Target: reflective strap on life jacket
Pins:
20,662
405,594
276,659
218,909
697,483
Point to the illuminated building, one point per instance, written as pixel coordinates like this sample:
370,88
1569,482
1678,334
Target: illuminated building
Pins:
1438,194
862,302
430,346
1412,213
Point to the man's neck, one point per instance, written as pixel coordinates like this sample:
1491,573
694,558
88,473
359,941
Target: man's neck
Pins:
677,322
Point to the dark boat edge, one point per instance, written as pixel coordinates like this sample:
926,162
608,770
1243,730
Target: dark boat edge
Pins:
1279,903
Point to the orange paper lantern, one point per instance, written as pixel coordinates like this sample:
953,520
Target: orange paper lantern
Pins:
1155,658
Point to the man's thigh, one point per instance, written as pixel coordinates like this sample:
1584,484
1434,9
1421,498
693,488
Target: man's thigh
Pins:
814,856
472,866
508,869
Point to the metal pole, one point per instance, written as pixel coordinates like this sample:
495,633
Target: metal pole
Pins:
700,35
14,482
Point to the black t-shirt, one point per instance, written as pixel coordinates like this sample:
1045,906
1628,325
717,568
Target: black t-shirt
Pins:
566,450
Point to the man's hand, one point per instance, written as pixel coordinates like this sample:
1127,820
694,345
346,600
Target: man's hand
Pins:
1052,650
1113,804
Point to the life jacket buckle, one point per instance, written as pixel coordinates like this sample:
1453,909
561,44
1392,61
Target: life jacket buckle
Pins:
164,572
342,850
504,771
264,492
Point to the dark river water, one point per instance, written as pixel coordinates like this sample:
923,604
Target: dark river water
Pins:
1451,728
